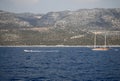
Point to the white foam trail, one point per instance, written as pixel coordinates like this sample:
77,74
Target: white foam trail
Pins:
41,51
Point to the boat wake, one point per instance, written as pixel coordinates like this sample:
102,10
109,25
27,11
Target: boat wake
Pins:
47,51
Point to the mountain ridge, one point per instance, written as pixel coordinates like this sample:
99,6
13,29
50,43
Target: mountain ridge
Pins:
98,17
60,28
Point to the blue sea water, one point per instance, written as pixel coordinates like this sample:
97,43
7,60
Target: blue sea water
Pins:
59,64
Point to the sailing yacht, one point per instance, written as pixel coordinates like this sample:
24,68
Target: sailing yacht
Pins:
103,48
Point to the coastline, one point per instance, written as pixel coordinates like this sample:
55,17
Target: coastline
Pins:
57,46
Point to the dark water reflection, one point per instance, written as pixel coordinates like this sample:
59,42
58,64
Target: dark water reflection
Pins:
67,64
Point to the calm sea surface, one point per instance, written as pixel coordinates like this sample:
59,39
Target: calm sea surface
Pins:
59,64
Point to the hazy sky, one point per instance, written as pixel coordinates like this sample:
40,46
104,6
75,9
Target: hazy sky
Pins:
43,6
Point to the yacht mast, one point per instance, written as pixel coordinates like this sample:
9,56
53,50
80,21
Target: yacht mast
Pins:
105,42
95,40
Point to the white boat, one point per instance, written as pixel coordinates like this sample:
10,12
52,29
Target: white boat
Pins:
100,49
103,48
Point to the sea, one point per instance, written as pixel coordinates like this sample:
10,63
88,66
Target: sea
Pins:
59,64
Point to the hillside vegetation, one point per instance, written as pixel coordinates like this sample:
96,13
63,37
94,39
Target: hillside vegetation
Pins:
60,28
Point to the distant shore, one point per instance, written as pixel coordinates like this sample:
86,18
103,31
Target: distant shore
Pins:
58,46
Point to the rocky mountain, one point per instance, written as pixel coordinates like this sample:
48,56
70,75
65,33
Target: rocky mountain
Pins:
80,19
8,20
91,19
64,27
